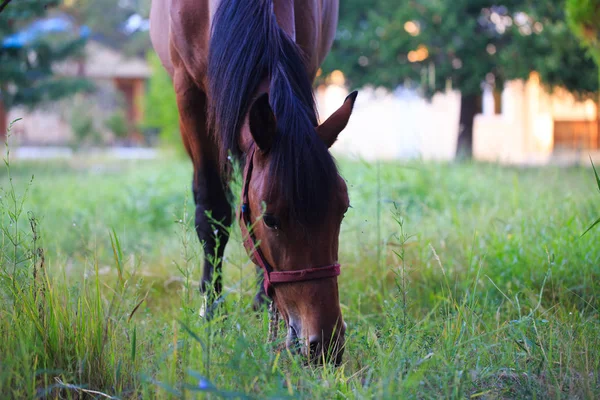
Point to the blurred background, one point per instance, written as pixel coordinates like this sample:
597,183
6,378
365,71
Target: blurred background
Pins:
510,81
460,279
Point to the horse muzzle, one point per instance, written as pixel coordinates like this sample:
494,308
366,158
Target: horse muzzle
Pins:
316,349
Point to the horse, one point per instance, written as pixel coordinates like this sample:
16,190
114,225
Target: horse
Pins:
242,72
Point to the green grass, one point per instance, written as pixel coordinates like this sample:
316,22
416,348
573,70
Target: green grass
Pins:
458,280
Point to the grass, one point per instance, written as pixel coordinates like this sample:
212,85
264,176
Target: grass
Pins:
596,222
459,280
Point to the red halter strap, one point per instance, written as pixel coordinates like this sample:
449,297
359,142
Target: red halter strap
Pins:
270,276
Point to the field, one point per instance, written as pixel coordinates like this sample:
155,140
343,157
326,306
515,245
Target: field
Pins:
458,280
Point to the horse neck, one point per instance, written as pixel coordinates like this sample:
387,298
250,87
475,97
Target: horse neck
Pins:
286,19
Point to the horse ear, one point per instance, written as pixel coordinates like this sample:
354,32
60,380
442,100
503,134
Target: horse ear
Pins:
262,122
329,130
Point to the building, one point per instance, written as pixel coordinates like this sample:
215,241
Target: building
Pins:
536,127
524,125
393,125
120,84
115,108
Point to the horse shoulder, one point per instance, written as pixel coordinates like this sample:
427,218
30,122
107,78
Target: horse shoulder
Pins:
329,22
316,23
189,35
159,32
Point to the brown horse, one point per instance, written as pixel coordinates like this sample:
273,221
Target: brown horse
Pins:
242,71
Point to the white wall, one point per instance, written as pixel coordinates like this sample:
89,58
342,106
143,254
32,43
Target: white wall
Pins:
400,125
524,132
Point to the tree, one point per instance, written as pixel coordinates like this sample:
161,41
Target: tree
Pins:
433,42
584,20
28,58
542,33
161,105
4,4
462,42
108,20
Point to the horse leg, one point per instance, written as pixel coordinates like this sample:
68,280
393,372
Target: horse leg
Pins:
261,298
213,219
213,210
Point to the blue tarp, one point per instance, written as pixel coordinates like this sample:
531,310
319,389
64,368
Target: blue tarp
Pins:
42,28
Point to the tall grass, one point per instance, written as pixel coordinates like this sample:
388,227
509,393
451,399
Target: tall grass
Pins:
56,329
596,222
458,281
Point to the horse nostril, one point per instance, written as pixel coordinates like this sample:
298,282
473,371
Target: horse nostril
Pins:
292,342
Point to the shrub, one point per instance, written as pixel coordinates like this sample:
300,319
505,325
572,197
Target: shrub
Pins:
161,106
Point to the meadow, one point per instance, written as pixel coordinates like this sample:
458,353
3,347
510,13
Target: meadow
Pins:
459,280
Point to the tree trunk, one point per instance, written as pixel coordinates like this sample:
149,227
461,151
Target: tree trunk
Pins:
469,107
3,122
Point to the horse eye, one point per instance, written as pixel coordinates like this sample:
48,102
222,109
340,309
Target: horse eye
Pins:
271,221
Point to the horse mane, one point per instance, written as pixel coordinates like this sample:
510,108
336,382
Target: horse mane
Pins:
246,46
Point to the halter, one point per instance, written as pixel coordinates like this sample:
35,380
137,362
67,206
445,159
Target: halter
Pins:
272,277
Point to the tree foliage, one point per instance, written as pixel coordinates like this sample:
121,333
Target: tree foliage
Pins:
584,20
107,20
161,105
27,75
550,49
378,44
429,42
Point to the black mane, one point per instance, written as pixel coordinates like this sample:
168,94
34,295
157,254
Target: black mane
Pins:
246,46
